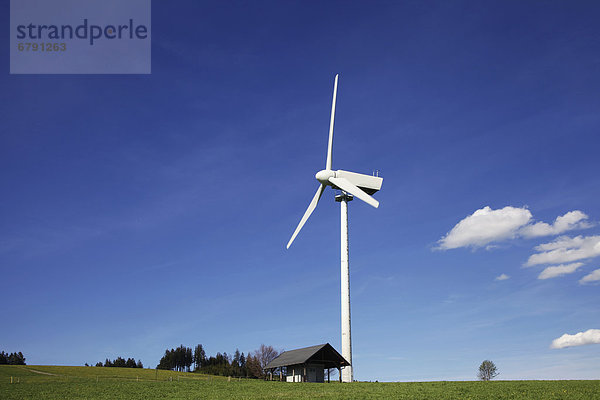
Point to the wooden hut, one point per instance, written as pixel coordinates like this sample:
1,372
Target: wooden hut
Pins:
307,364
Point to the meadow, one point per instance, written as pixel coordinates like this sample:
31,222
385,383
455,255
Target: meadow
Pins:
58,382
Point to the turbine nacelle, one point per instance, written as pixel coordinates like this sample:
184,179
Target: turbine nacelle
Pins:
367,183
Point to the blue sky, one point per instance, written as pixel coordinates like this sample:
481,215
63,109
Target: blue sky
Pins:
140,212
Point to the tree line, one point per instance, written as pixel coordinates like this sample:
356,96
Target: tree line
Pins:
251,365
121,363
12,358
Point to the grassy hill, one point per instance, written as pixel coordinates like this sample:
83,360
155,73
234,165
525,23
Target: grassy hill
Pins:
54,382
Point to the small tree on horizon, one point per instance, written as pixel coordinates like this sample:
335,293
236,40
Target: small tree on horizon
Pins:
487,371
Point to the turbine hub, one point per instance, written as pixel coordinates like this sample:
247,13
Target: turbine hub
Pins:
324,175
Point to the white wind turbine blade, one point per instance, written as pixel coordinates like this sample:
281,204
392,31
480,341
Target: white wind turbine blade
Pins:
354,190
330,143
309,210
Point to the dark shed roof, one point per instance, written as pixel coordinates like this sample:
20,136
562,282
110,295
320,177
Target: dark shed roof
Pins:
321,354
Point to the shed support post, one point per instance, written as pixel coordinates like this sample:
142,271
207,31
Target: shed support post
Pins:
340,374
328,373
304,377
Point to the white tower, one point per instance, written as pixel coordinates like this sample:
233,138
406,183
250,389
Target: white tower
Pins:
347,375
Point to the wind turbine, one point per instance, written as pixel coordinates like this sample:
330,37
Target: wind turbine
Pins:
352,185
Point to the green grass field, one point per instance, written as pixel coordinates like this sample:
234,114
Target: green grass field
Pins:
50,382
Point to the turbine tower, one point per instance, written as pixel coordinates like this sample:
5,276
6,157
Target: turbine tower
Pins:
351,185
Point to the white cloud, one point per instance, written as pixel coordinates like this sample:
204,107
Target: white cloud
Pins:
502,277
559,270
594,276
565,249
485,226
590,336
571,220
